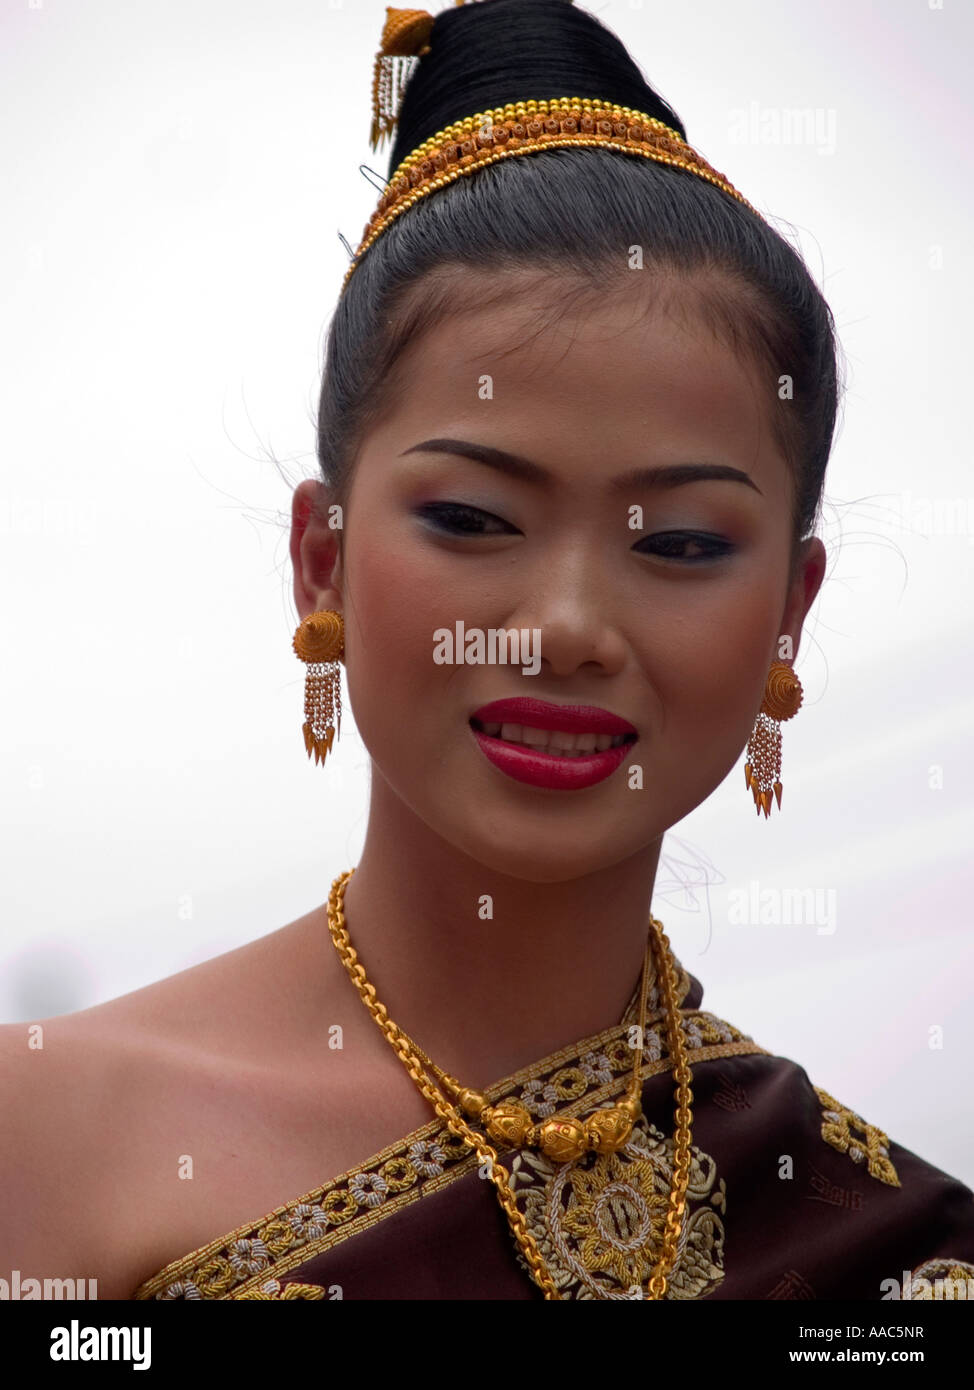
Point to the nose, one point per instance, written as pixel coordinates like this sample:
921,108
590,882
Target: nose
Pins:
569,598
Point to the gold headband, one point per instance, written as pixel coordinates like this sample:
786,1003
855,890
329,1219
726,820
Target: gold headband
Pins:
488,136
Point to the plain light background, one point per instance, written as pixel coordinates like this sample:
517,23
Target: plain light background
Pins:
173,180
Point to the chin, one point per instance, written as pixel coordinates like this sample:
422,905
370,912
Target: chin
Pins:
535,850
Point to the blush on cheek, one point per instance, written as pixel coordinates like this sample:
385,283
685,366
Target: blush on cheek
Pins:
713,681
400,596
374,566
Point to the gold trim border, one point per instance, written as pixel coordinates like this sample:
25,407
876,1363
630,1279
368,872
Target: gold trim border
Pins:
184,1267
294,1258
434,1126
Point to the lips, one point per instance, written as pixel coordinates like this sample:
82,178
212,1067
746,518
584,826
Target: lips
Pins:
540,714
541,768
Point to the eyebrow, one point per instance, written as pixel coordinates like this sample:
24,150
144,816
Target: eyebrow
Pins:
666,476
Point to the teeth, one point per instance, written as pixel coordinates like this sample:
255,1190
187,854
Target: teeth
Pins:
556,742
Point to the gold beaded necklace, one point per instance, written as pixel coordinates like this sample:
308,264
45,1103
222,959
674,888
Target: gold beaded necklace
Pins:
606,1131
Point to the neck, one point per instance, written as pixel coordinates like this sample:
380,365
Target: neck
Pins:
485,995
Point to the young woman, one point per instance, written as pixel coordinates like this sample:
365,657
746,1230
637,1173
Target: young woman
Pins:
574,424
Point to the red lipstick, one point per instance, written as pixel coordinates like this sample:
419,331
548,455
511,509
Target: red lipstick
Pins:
541,769
539,714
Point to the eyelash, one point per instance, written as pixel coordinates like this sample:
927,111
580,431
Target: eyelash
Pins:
439,512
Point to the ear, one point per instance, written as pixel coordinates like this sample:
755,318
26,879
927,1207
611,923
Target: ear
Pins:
802,592
315,549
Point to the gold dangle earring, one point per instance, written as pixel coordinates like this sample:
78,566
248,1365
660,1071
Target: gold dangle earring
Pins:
320,641
783,695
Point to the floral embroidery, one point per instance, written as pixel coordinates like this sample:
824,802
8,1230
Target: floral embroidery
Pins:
181,1289
599,1221
272,1289
723,1030
942,1278
870,1144
427,1159
570,1083
307,1222
652,1045
596,1068
340,1206
249,1256
792,1285
370,1189
540,1099
730,1095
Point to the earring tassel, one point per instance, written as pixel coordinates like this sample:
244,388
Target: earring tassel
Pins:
322,708
783,696
762,770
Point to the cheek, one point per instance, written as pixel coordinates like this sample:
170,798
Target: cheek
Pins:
717,657
393,605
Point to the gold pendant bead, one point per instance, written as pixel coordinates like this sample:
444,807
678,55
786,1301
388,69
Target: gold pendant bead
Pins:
563,1141
471,1102
507,1123
608,1130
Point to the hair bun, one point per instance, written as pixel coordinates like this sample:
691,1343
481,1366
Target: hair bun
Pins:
494,52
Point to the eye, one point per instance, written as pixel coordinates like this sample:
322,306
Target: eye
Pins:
671,545
458,519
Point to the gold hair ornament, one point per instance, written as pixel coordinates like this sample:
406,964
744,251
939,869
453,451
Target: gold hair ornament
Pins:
782,700
486,137
320,642
405,37
521,128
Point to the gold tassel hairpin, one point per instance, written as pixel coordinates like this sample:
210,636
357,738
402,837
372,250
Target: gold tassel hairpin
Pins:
405,37
762,771
320,641
485,137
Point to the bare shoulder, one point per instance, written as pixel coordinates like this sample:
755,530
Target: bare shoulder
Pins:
57,1087
103,1109
141,1129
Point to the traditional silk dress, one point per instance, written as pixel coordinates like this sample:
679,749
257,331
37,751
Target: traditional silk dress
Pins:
791,1196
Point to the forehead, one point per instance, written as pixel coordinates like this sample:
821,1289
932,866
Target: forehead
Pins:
639,367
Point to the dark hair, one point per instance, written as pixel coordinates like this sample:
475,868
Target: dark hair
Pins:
570,214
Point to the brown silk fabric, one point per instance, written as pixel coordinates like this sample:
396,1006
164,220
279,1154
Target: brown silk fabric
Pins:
791,1196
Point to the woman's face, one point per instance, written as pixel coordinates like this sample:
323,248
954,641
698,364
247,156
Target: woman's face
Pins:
672,632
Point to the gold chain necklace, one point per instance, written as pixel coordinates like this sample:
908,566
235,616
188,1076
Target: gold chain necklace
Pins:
556,1136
